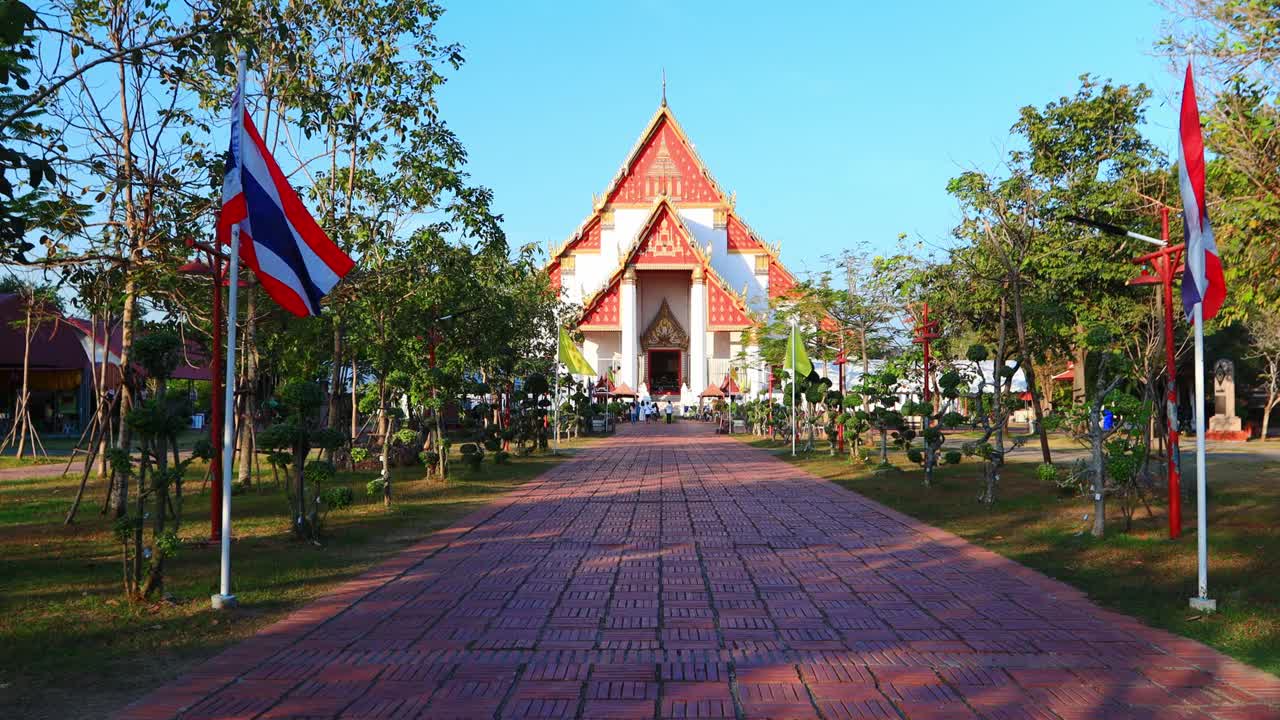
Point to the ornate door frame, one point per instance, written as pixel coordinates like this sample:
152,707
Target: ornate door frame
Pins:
664,333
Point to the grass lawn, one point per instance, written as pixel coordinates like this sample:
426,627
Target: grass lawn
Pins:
71,646
1140,572
59,450
12,461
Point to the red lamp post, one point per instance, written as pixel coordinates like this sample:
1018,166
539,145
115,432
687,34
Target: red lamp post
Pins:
926,331
214,269
1165,264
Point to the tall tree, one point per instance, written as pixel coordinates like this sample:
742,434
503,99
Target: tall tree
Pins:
1237,64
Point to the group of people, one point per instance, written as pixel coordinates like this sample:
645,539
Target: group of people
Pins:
648,411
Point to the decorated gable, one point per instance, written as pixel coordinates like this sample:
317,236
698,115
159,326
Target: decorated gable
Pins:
724,311
665,166
554,273
666,242
588,240
603,312
739,237
780,281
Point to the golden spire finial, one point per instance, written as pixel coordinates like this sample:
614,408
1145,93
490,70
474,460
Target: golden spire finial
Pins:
664,87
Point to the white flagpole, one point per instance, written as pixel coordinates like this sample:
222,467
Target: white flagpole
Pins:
556,409
1202,600
224,598
794,375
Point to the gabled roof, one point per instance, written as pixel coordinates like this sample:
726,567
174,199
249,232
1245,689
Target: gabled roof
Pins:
740,237
653,141
661,125
682,247
599,310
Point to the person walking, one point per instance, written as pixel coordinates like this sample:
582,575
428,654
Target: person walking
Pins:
668,412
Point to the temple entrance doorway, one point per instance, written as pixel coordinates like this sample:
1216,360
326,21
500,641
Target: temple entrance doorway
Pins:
664,372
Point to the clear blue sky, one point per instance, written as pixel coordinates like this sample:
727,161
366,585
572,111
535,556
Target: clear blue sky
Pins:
833,123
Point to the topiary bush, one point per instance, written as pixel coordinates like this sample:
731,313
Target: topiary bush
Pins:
472,455
1046,473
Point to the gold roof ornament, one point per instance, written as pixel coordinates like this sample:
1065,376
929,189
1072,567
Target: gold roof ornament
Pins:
665,331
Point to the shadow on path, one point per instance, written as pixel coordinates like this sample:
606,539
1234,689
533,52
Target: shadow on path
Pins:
669,572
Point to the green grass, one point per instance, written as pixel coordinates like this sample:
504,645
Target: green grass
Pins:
12,461
1140,572
72,646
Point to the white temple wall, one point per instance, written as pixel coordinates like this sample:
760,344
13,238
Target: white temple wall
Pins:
701,222
722,351
601,347
655,285
739,270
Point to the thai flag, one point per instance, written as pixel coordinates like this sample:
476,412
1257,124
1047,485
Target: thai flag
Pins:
294,260
1202,282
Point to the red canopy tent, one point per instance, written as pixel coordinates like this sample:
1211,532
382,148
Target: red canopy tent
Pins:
622,390
729,387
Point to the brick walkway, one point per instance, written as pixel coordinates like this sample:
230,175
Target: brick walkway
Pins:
672,573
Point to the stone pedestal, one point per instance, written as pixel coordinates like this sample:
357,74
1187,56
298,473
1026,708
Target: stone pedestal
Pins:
1224,424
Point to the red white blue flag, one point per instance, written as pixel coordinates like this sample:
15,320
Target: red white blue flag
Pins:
294,259
1202,282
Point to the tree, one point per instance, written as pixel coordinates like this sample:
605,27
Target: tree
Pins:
1264,332
297,432
933,420
117,85
992,411
872,298
156,422
40,308
1081,154
1238,87
24,165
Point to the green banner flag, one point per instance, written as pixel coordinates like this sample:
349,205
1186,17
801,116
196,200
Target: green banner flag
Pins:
572,358
796,351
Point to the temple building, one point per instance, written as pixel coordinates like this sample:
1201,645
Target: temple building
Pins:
669,278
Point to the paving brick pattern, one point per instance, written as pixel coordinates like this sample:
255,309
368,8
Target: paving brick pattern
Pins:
672,573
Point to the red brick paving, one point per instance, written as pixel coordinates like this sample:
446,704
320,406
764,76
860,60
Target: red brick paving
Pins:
672,573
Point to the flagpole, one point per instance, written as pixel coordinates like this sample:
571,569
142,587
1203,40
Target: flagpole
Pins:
556,409
1202,600
794,376
224,598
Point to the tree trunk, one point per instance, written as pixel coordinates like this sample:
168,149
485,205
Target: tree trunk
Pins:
25,401
1095,446
133,235
355,410
866,363
441,449
1272,401
996,462
335,377
1028,370
249,388
386,472
120,494
1099,479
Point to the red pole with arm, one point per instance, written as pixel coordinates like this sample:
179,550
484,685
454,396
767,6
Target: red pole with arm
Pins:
215,403
1168,268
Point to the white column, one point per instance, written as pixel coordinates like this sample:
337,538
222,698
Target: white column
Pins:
754,374
627,311
698,332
